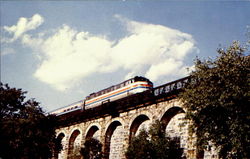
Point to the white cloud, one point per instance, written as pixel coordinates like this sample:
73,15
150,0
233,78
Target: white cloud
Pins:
161,48
69,55
23,25
169,66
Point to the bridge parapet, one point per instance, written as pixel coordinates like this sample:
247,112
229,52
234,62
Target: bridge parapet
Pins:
171,86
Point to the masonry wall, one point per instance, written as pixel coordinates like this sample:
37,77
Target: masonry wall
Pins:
116,132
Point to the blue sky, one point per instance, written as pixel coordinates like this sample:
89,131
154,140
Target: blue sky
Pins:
62,51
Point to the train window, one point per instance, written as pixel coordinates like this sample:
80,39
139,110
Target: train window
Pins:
126,83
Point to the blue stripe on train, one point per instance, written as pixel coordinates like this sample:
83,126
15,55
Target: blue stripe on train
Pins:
100,100
68,111
116,94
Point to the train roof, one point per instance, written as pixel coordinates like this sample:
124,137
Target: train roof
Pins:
80,101
136,78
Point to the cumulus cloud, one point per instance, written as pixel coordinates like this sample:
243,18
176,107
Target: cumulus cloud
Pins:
23,25
68,55
160,48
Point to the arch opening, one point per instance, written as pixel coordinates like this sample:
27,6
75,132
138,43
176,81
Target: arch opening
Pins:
176,126
59,145
74,145
91,132
109,133
169,114
136,124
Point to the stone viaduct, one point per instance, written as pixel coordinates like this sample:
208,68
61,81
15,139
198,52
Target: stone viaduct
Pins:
115,123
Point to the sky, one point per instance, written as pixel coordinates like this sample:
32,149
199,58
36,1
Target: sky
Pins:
61,51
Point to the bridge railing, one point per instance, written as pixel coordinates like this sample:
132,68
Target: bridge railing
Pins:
169,87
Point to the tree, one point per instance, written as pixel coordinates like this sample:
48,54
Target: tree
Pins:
217,102
25,131
92,149
154,144
140,147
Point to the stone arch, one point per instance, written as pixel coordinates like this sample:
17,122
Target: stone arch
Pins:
59,139
60,135
60,132
136,124
108,135
91,131
170,113
176,126
74,145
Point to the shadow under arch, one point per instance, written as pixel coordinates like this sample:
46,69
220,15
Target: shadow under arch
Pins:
135,125
59,145
72,139
108,136
93,129
170,113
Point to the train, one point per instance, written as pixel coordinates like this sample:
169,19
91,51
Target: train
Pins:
126,88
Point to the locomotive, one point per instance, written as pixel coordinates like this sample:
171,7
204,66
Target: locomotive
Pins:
129,87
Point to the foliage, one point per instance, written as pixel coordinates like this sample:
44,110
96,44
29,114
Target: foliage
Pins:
25,132
154,144
217,102
92,149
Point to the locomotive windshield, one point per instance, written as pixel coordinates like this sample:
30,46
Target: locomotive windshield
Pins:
139,78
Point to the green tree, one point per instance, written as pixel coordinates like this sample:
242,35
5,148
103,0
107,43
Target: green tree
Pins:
154,144
25,132
217,102
92,149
